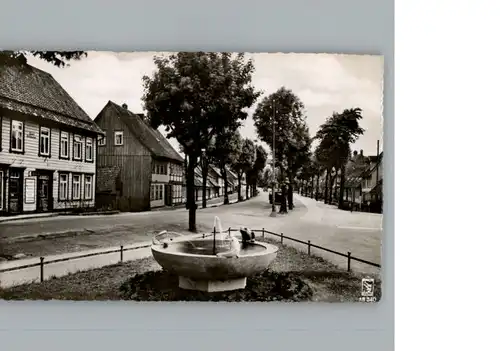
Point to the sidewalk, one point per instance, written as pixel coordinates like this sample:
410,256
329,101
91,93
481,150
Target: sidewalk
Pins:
58,269
93,214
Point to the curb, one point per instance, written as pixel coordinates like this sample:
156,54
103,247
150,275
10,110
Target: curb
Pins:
13,219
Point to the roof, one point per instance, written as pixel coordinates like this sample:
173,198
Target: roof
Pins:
151,138
31,91
199,176
106,178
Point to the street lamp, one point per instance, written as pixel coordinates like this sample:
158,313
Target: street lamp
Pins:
273,210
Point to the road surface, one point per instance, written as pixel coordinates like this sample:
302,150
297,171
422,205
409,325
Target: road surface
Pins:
324,225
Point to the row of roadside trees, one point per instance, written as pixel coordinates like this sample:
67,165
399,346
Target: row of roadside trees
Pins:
331,155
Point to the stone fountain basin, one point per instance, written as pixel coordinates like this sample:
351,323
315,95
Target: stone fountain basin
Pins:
194,259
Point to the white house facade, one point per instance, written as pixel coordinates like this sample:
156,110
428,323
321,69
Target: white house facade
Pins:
47,145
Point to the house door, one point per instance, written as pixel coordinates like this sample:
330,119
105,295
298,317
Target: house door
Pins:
168,195
44,193
15,190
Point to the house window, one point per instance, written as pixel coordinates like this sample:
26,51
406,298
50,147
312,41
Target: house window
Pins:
88,187
156,192
17,136
1,190
63,187
77,147
44,141
118,138
76,188
102,140
88,150
64,145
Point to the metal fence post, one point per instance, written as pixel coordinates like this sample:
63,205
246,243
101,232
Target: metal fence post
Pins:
121,253
281,238
348,261
203,235
263,232
41,269
229,231
309,247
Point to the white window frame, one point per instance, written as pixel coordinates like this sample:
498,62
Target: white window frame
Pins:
1,190
76,195
63,196
43,138
13,129
118,133
101,140
77,140
89,142
87,183
64,139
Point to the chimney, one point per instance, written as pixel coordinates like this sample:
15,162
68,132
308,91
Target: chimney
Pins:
125,106
354,154
361,153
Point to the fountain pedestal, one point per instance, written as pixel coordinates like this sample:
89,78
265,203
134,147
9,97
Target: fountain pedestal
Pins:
212,285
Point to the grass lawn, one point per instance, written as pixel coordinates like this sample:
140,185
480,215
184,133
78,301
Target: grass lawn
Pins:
293,276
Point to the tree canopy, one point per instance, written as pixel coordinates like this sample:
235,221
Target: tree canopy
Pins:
196,95
291,134
57,58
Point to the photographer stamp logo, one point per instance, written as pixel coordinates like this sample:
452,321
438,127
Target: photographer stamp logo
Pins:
367,287
367,290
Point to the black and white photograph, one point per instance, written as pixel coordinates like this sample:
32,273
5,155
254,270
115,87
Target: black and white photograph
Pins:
191,176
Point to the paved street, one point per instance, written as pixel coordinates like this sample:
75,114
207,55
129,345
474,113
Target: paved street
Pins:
323,224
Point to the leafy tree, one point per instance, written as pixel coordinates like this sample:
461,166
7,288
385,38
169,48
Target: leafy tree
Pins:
244,162
207,159
266,178
336,135
298,153
197,95
258,166
57,58
225,153
284,111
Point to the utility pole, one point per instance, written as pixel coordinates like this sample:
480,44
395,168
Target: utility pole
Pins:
273,210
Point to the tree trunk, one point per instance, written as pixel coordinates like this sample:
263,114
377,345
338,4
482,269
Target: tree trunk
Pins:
224,177
204,174
317,187
283,207
190,193
332,184
290,191
327,182
240,175
341,190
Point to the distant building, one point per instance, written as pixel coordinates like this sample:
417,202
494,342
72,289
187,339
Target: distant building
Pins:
147,171
363,186
47,145
212,188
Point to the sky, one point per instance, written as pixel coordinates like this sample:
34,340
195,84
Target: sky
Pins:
323,82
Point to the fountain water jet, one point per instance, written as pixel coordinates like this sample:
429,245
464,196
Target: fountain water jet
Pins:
202,263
